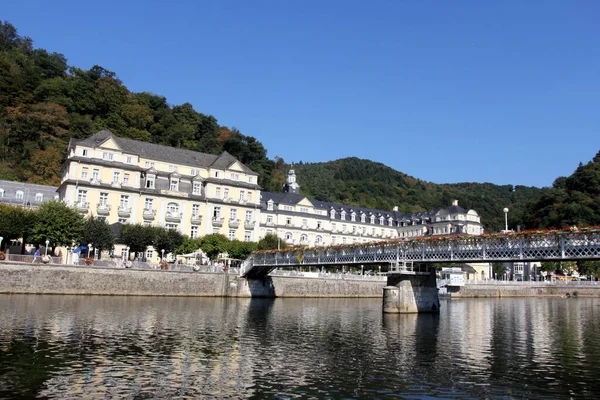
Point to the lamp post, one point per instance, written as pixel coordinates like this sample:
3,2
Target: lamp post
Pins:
127,253
162,255
89,250
47,243
1,239
505,219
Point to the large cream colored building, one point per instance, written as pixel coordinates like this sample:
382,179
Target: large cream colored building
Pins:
301,221
128,181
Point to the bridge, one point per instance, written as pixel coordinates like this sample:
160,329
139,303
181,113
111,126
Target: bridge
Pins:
398,256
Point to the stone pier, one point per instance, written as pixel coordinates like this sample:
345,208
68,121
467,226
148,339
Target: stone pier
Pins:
411,293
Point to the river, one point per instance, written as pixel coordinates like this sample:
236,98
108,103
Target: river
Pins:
215,348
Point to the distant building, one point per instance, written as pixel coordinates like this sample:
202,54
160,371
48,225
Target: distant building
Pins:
27,195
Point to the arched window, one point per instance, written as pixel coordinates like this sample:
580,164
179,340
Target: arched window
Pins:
173,208
303,239
318,240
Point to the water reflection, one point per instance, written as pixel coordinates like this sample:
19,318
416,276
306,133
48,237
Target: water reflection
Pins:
141,347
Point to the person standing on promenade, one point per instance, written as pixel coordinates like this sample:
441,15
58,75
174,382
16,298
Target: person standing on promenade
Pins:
36,255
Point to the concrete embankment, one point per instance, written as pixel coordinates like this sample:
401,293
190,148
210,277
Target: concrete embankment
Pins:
52,279
533,289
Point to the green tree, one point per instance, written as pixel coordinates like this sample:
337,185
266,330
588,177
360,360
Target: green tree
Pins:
15,223
137,237
214,244
188,246
589,268
58,223
240,250
269,242
166,239
98,233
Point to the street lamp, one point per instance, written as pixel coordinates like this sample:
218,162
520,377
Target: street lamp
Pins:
505,219
89,250
127,253
47,243
1,239
162,255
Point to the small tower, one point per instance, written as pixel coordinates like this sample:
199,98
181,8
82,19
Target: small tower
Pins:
290,185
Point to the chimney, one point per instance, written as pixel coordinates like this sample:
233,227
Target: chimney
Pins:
395,208
454,202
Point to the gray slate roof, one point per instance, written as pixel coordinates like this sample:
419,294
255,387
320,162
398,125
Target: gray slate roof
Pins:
163,153
29,191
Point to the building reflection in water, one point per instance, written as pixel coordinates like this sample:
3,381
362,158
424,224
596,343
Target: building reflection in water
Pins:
80,346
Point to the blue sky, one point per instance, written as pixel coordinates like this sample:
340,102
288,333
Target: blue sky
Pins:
446,91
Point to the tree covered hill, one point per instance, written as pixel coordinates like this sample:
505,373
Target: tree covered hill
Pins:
354,181
44,102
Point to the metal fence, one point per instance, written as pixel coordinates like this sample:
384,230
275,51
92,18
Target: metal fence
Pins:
26,258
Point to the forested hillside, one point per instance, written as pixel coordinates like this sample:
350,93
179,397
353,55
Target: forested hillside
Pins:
44,102
362,182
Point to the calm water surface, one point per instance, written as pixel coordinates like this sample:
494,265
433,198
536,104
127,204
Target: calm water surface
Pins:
144,347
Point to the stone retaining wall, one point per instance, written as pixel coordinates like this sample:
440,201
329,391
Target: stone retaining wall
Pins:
525,290
53,279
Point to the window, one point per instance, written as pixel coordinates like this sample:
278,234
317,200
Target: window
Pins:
194,232
126,179
1,193
174,185
242,195
332,214
218,192
107,156
149,254
84,152
217,212
304,222
148,164
250,179
380,220
318,240
128,159
303,210
372,219
150,181
39,197
103,199
247,236
249,197
95,174
288,220
172,168
233,213
333,227
353,217
318,224
195,172
303,239
173,208
124,201
235,177
288,236
195,209
216,174
81,196
123,220
343,215
363,218
269,219
270,205
248,215
197,188
172,227
231,234
216,230
226,193
116,177
84,173
344,228
149,204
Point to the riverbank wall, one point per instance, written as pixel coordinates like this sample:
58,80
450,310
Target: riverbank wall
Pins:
54,279
527,289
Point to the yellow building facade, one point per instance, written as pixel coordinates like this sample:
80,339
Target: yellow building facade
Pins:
129,181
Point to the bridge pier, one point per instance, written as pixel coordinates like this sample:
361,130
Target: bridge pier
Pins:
411,293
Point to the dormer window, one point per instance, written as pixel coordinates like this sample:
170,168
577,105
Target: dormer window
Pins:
19,195
1,193
197,188
270,205
390,222
372,219
353,217
107,156
174,184
150,179
332,214
39,197
343,215
363,218
380,220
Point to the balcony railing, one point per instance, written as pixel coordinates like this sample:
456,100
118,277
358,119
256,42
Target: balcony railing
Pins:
115,184
249,224
82,206
217,221
234,223
95,181
304,226
149,213
103,209
173,216
196,219
270,223
124,211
